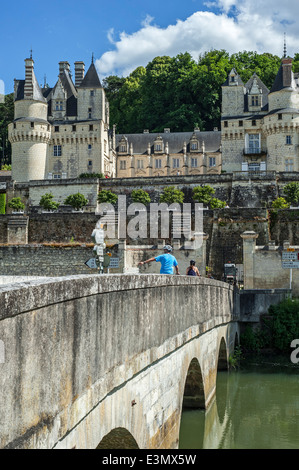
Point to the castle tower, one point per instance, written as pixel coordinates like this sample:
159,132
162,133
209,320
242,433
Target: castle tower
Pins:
29,133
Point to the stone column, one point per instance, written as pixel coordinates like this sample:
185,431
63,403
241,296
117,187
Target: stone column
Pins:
200,241
17,230
249,244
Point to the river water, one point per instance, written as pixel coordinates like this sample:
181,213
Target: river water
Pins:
257,408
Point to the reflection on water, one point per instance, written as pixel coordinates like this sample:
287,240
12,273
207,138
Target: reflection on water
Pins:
252,410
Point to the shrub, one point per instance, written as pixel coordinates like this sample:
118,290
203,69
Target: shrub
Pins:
172,195
139,195
203,194
16,204
77,201
2,203
284,323
105,195
91,175
291,191
280,203
47,203
6,167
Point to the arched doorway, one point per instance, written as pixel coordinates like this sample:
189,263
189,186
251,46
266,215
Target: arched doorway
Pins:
118,438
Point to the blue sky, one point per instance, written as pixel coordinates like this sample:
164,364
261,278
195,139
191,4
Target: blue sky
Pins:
124,34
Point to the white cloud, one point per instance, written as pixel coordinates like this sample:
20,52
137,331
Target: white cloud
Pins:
233,25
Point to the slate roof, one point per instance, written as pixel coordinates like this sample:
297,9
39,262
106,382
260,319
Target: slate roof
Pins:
91,79
281,81
37,92
212,140
238,78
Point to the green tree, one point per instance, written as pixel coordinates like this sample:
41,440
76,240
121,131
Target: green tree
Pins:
203,194
16,204
280,203
291,190
47,203
6,117
172,195
77,201
139,195
107,196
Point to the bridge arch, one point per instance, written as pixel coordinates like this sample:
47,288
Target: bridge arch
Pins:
194,394
222,363
118,438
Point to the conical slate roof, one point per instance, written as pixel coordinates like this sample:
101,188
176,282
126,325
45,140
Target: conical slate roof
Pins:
91,79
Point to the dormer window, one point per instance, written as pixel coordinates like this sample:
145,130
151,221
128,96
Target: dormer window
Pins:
158,145
254,100
58,106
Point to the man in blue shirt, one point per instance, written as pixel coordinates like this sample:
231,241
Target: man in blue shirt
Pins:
167,260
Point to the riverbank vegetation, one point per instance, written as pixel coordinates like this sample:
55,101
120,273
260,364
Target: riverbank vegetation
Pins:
276,331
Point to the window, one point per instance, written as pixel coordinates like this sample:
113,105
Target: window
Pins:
175,163
253,123
232,78
158,147
194,146
158,163
32,124
253,167
289,164
91,127
225,123
240,123
74,128
253,143
56,177
89,162
58,106
140,164
89,113
57,150
280,116
122,165
212,161
288,140
254,101
193,162
122,148
56,128
91,92
89,146
14,125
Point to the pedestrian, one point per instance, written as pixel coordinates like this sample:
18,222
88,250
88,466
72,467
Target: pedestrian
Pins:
192,269
167,260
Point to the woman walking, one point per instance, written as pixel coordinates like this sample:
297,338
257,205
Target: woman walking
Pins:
192,270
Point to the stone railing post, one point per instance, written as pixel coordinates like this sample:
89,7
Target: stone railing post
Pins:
249,244
17,230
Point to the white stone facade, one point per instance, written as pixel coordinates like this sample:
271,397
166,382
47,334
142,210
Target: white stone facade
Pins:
259,127
61,132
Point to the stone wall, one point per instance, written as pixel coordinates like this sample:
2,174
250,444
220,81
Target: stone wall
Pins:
40,260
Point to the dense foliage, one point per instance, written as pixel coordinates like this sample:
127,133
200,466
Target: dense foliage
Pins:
16,204
2,203
77,201
141,196
180,92
204,195
278,329
171,195
6,117
105,195
292,192
47,203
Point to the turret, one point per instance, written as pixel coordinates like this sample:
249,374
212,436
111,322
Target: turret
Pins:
29,133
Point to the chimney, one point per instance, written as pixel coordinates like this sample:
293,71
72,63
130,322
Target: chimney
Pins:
29,73
287,72
64,65
79,72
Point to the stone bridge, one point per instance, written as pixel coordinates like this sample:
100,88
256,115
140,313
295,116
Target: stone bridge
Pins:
109,361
